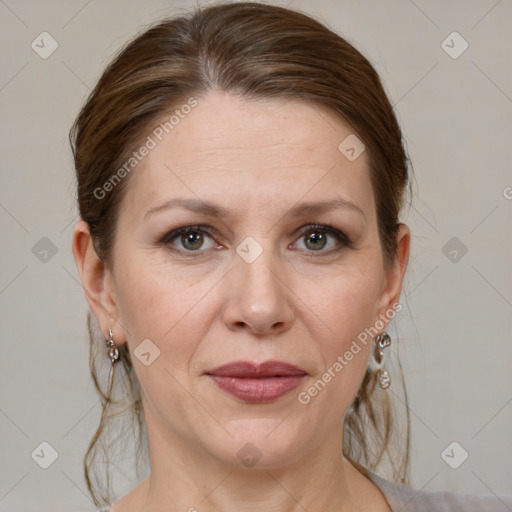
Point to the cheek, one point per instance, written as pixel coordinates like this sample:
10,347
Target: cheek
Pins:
347,309
174,313
347,303
161,306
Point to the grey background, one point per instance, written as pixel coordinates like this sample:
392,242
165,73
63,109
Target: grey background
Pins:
455,341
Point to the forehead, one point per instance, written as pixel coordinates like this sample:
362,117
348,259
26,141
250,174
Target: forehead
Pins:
253,150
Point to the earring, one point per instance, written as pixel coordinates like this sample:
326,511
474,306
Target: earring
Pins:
382,341
113,353
113,350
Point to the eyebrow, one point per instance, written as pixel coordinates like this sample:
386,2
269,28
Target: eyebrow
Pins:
215,210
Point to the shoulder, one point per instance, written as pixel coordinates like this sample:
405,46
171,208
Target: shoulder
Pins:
404,499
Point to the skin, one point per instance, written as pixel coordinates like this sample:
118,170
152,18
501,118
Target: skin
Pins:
300,301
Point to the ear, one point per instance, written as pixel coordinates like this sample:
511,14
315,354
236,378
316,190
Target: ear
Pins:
392,288
97,282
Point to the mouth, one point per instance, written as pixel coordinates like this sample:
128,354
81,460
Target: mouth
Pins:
257,383
246,369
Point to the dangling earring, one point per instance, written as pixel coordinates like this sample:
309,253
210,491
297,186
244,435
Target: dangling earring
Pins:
113,350
382,341
113,353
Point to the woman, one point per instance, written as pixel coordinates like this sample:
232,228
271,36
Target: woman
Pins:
240,179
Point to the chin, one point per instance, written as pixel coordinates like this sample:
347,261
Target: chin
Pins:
259,446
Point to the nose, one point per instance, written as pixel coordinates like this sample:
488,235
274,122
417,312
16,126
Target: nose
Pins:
258,299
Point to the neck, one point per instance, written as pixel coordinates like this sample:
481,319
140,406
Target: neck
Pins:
193,480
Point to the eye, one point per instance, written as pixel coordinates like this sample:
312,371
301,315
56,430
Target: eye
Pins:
196,239
318,237
191,239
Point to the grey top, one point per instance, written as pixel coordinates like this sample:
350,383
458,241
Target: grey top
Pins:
403,499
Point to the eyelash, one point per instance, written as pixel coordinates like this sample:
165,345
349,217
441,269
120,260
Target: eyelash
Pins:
343,239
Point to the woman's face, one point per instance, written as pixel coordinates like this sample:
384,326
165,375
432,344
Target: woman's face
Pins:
253,281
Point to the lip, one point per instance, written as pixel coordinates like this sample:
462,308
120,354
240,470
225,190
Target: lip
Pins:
257,383
246,369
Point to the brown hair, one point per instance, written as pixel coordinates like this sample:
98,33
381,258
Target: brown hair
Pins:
255,51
